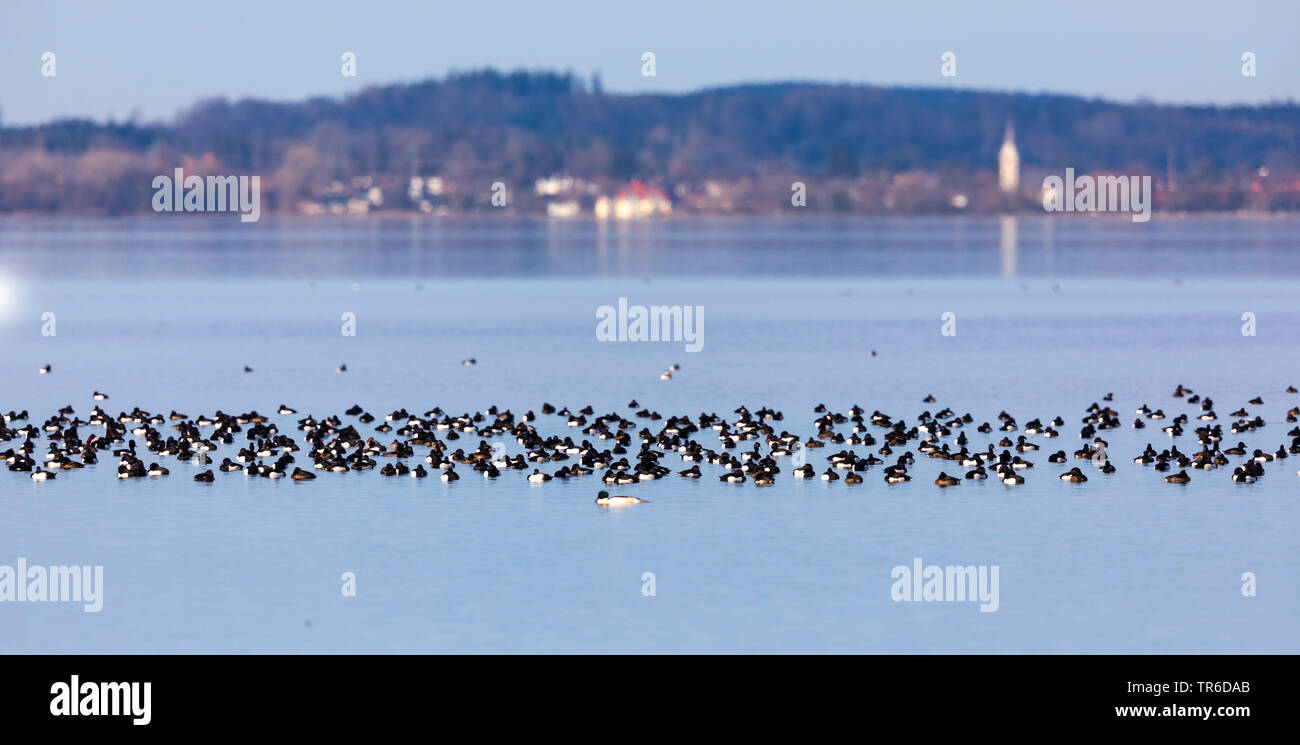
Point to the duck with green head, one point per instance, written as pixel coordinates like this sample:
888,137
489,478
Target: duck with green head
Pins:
605,500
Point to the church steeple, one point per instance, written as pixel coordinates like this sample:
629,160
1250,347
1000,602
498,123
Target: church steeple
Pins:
1009,161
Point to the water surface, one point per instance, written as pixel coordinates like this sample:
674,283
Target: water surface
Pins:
164,313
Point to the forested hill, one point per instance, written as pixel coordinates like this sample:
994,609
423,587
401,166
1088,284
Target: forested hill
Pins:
525,125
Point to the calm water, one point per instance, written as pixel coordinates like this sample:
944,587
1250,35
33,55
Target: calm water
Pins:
1050,316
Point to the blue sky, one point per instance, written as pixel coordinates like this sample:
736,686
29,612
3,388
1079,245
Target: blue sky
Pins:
151,59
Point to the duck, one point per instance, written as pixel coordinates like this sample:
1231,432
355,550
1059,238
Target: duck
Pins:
537,477
45,370
604,499
99,396
449,475
690,473
1009,476
301,475
39,475
1074,476
206,477
944,480
1178,478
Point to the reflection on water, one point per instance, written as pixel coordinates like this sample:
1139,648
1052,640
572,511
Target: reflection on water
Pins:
1008,252
716,248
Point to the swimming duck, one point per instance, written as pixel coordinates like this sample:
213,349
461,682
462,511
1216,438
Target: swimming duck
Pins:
944,480
1074,476
205,477
45,370
895,475
1178,478
605,500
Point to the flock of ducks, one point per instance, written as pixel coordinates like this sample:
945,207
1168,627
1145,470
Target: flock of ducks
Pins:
619,450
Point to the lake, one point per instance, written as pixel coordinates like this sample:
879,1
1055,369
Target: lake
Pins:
1047,316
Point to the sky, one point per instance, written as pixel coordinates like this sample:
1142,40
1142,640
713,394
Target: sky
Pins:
151,59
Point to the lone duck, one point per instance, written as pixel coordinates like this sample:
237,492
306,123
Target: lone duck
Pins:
1178,478
605,500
